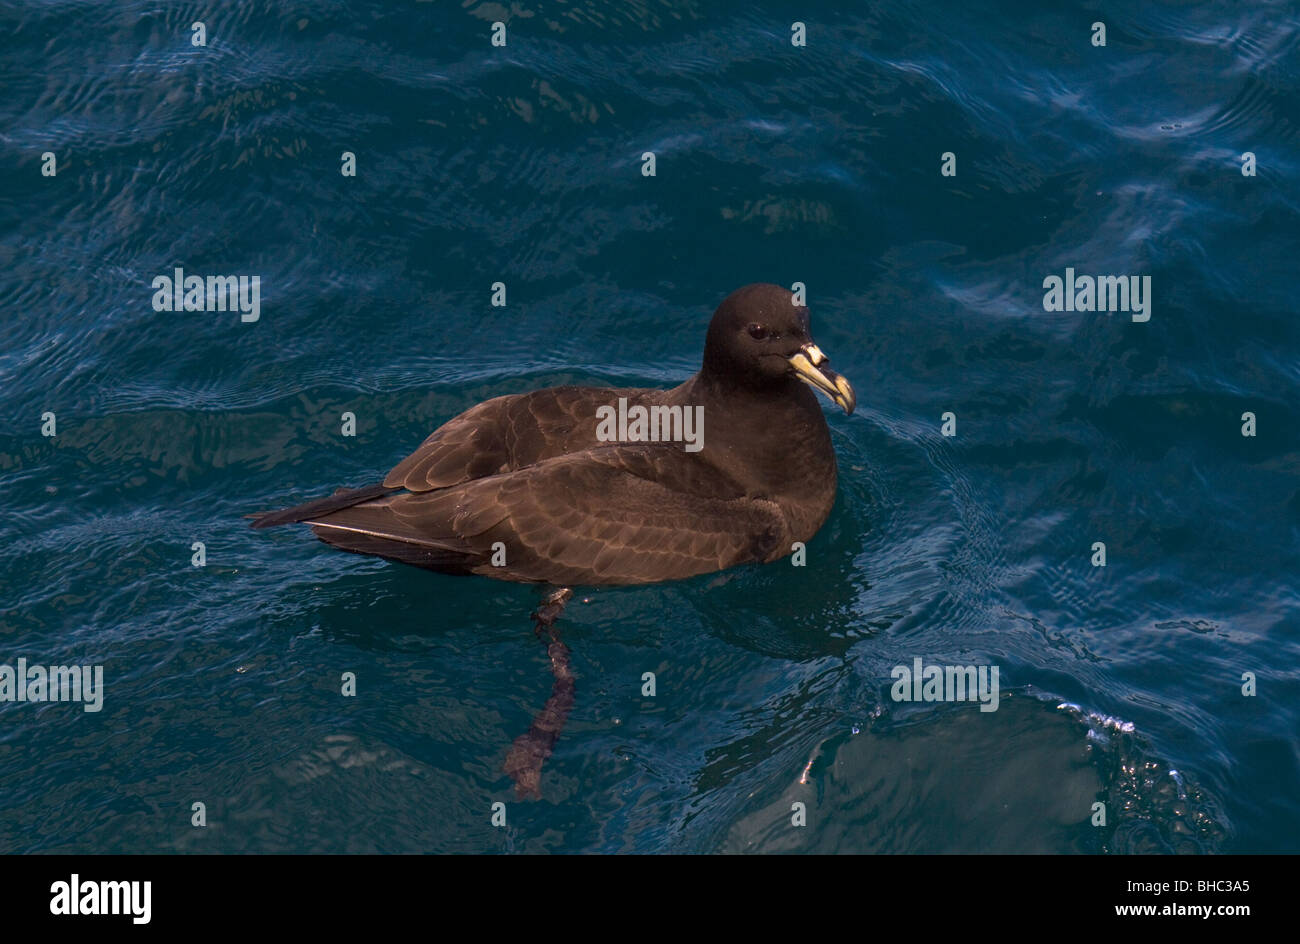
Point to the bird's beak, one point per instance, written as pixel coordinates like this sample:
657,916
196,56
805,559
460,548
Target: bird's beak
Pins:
811,366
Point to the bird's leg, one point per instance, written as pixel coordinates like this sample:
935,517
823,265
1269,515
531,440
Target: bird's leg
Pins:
530,750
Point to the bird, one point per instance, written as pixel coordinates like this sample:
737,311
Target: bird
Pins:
541,487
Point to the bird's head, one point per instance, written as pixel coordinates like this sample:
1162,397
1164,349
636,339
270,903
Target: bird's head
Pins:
760,338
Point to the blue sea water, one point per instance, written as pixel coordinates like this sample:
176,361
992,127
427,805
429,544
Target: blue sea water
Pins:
475,164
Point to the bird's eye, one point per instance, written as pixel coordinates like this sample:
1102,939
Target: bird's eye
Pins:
757,332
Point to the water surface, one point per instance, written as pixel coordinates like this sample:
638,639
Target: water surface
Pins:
521,164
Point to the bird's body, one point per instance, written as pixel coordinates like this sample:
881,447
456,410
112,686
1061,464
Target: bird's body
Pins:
528,488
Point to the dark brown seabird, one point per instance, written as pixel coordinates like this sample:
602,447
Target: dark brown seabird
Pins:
529,473
533,475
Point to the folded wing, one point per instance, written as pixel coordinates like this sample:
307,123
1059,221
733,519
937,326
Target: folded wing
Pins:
617,514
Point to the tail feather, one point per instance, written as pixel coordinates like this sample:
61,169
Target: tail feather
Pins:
343,498
353,519
429,556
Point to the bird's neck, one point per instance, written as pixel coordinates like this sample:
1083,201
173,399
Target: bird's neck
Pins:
776,432
786,403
